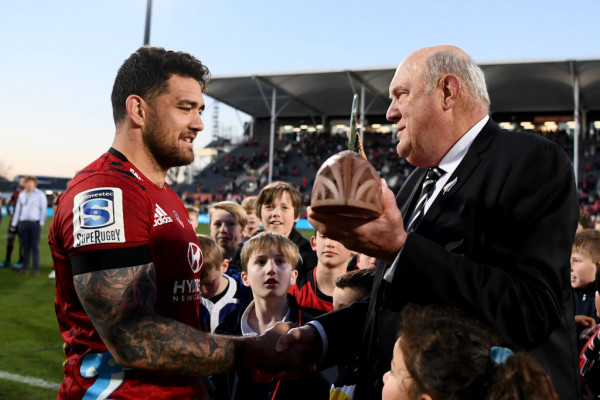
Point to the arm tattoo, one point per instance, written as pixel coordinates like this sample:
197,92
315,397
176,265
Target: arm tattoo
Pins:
120,303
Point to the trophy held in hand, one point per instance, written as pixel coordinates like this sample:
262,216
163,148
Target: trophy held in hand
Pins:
347,184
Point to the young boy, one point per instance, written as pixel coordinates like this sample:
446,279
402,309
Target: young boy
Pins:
314,292
221,294
249,205
585,260
268,261
278,207
193,214
589,358
227,221
352,286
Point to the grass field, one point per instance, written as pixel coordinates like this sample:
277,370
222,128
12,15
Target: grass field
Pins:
30,342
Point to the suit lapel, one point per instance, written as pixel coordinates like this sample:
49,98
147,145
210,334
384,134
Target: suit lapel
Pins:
464,170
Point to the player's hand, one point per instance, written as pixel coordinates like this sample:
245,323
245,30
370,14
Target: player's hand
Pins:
380,237
12,229
586,334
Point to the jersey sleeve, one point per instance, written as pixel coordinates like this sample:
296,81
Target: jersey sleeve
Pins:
106,224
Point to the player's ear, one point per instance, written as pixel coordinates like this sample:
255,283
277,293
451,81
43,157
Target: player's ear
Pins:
136,109
313,242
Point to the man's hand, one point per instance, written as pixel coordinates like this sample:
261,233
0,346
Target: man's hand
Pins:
12,229
380,237
261,353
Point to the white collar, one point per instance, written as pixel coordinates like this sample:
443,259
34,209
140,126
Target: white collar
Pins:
451,160
246,329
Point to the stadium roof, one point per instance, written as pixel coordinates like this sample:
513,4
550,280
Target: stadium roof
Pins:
521,86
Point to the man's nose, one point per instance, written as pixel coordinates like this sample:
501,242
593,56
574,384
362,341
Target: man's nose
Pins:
392,113
197,124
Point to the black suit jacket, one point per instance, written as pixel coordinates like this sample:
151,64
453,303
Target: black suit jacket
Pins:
496,244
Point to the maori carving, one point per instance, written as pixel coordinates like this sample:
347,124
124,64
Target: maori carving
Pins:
347,184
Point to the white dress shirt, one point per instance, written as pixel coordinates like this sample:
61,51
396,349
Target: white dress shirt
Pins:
30,207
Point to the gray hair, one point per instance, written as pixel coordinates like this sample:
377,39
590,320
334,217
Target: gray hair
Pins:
469,74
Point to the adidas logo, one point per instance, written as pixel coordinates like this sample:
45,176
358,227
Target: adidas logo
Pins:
161,217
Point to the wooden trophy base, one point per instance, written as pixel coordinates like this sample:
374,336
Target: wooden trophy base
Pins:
347,184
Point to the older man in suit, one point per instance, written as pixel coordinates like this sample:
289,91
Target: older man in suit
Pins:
485,223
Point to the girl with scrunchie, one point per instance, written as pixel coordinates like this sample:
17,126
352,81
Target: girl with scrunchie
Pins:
443,355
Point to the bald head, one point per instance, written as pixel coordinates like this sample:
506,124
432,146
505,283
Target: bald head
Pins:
446,59
438,94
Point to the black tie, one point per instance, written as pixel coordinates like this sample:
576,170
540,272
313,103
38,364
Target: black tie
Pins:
433,174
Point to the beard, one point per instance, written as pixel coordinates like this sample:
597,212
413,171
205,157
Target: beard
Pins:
166,153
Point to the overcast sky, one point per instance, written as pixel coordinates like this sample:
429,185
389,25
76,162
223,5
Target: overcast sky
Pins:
59,58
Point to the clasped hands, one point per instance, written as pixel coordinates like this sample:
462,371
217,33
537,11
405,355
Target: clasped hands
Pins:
285,351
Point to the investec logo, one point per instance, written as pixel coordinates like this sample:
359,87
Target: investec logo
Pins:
98,217
161,217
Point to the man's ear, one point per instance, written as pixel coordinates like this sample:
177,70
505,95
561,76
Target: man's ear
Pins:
313,243
425,396
245,281
136,111
451,88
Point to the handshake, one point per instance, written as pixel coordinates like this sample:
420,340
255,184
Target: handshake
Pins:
283,350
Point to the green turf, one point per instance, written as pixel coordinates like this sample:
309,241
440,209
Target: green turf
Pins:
30,342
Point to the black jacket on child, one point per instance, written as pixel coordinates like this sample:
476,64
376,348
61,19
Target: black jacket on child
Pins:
257,385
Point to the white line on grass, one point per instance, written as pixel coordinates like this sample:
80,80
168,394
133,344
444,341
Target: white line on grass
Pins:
29,380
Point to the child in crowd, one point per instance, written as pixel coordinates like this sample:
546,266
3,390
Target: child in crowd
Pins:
585,260
227,221
221,294
193,214
441,354
268,261
589,358
278,207
249,205
314,291
350,287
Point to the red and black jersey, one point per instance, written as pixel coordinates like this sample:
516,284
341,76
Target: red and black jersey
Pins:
308,295
112,216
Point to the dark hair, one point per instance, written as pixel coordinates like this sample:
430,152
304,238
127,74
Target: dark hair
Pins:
146,73
448,357
359,278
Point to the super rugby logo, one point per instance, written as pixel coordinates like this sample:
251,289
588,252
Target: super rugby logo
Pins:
98,217
161,217
97,209
195,257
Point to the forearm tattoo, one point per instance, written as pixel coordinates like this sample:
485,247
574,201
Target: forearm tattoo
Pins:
120,303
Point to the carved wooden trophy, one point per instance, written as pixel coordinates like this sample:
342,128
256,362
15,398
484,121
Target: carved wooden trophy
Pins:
347,184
